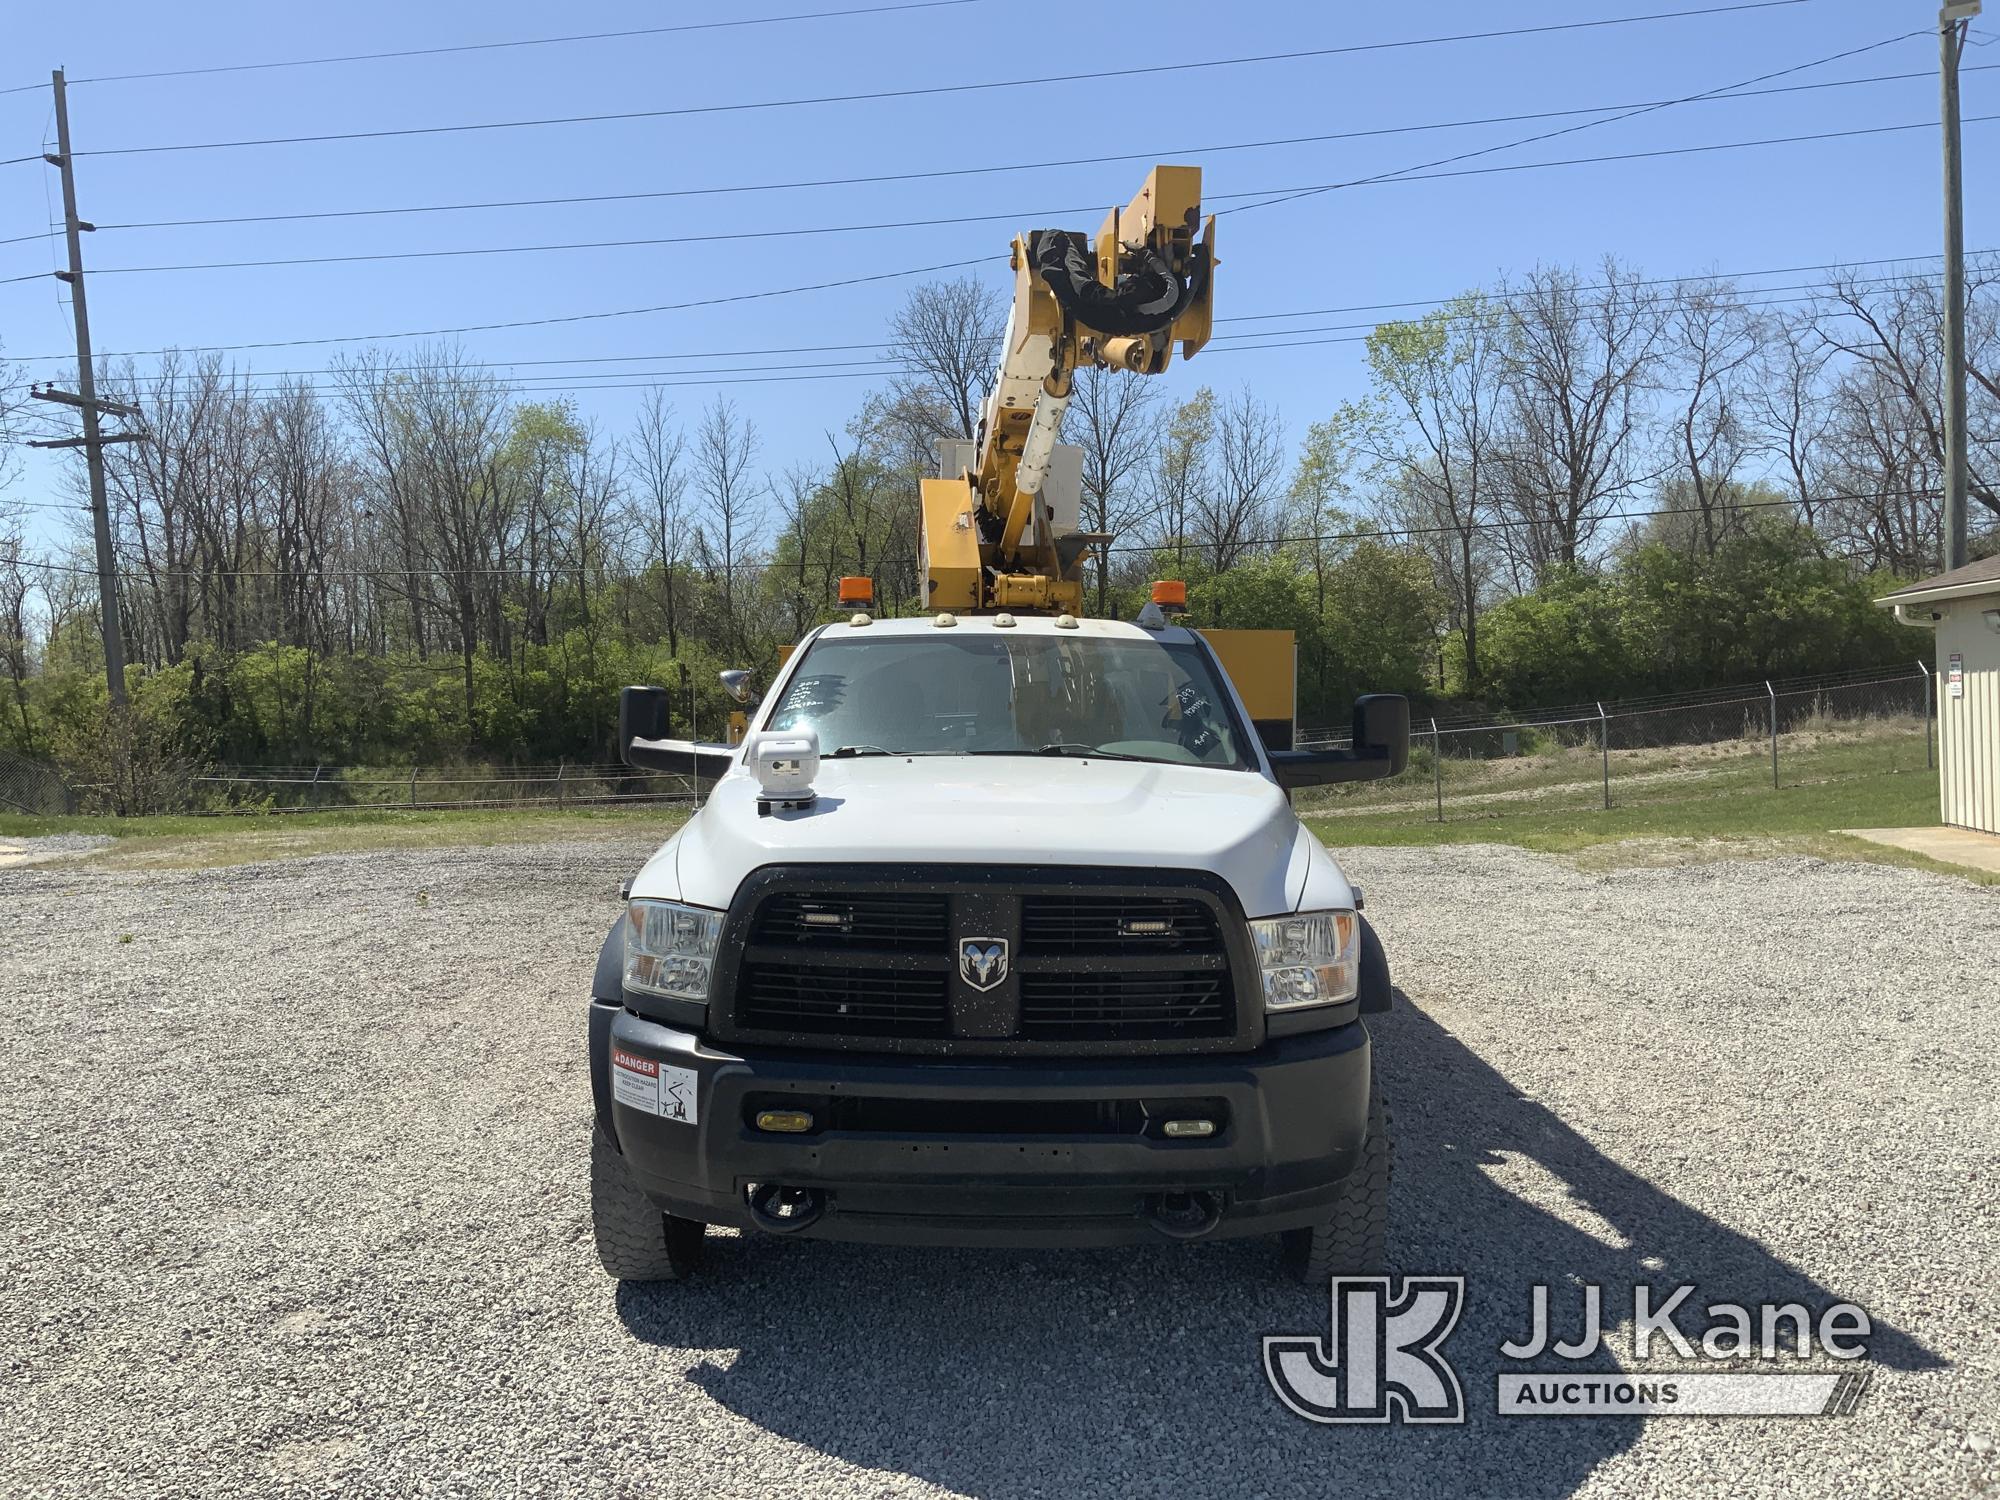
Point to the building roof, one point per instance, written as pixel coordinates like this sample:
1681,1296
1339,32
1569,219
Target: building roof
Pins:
1982,577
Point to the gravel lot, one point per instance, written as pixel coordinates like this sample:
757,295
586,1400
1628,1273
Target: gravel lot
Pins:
292,1200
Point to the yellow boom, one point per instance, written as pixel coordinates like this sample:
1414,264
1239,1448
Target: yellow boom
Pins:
990,539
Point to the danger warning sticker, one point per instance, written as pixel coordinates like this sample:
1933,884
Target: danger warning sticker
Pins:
657,1088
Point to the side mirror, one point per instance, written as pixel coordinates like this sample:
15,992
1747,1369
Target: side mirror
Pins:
736,683
1381,748
642,745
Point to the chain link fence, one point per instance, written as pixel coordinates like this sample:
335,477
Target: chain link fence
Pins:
1601,755
327,788
1595,755
32,787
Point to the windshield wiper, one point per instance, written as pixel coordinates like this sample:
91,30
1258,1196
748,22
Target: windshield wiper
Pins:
849,752
1080,751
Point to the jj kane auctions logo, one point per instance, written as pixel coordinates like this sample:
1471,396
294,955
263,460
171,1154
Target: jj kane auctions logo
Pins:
1383,1358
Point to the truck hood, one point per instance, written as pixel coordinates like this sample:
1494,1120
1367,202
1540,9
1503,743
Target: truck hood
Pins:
1000,810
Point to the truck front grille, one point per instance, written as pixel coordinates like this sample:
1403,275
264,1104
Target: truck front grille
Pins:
892,921
1078,923
1102,962
842,1001
1126,1007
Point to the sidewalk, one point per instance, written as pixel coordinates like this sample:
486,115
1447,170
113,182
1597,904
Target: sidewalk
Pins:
1954,846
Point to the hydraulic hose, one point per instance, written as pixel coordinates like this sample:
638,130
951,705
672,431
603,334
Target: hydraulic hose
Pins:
1143,302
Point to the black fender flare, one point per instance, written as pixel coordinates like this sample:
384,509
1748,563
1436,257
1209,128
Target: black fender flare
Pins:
607,998
1377,995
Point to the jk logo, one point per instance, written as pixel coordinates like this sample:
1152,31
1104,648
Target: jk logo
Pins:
1381,1359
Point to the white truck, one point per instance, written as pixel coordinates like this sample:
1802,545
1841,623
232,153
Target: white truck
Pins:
994,930
998,927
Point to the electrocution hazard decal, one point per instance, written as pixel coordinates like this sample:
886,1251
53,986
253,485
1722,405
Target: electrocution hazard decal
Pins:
655,1087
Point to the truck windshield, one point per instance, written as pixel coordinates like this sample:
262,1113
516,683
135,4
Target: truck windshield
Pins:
990,694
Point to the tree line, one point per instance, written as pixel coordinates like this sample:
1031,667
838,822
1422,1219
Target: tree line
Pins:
1577,483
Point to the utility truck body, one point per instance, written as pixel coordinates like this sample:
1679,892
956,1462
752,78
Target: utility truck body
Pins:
998,927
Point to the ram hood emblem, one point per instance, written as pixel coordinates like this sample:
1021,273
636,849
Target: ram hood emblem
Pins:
982,961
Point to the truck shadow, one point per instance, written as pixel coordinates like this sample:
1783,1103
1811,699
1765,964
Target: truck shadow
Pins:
1012,1374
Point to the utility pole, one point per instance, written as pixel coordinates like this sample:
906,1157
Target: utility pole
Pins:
86,401
1954,20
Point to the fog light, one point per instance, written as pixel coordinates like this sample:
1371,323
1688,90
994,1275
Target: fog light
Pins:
1188,1127
784,1121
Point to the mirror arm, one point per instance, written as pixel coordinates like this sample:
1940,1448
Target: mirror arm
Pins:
678,757
1303,768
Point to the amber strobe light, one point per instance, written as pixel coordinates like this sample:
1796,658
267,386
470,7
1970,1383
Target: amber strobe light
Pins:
1170,593
857,591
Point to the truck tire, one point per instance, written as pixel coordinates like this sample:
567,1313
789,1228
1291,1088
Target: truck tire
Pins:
1354,1239
635,1241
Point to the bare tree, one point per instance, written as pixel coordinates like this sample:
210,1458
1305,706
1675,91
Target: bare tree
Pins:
1709,347
797,494
864,489
725,446
660,475
1234,512
944,337
310,485
1578,361
1884,505
14,400
591,487
1113,416
1894,337
438,427
16,655
1788,403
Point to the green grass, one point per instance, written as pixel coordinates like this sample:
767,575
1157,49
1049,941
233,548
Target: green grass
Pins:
1574,775
1725,816
190,843
1669,805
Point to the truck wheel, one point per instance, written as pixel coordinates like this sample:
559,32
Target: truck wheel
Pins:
1354,1239
635,1240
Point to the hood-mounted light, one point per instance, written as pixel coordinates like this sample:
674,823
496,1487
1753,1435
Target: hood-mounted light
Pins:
784,761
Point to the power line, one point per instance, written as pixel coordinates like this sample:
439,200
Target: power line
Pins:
1320,538
951,172
1315,312
1423,168
935,90
593,380
629,312
1010,217
1839,265
543,41
675,239
625,380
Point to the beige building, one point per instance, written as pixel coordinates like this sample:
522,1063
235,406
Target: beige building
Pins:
1963,607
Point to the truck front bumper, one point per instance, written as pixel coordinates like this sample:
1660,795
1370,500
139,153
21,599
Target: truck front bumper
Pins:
996,1152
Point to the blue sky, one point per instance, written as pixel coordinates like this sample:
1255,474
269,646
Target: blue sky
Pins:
1860,198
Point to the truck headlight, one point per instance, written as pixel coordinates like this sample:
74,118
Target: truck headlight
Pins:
670,948
1310,958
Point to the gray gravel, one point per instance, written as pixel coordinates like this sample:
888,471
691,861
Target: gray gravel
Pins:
292,1200
49,846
